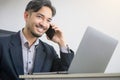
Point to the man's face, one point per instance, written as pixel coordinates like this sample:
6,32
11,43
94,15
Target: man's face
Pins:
38,22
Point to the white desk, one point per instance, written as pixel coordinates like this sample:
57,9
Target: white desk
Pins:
87,76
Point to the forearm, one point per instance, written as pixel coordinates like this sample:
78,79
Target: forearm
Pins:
62,63
66,59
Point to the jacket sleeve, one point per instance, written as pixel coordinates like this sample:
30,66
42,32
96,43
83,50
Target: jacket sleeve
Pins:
62,63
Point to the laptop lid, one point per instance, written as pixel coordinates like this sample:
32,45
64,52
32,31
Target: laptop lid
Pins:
94,52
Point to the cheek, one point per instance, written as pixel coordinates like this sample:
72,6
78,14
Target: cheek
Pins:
32,23
48,25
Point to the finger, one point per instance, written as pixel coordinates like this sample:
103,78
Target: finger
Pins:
55,27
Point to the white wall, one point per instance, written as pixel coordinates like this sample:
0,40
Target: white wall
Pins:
73,16
11,14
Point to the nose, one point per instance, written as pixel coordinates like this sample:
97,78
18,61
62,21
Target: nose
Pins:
44,23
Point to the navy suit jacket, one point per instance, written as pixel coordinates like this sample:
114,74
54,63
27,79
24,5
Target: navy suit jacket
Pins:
46,59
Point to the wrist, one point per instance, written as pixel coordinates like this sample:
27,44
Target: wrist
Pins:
65,49
62,43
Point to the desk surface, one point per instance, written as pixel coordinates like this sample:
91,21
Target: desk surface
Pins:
77,75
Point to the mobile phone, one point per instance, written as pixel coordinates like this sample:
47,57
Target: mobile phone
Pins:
50,32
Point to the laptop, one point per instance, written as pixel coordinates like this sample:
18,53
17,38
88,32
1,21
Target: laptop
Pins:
94,52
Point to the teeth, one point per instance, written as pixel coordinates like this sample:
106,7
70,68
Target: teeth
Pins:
41,27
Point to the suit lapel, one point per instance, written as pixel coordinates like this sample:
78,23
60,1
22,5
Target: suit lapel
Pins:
39,58
16,54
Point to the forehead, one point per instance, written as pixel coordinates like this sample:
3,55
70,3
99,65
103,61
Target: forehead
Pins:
46,11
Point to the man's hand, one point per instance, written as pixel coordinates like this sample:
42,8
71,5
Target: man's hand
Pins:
58,37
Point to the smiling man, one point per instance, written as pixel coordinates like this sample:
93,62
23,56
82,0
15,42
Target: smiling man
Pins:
24,53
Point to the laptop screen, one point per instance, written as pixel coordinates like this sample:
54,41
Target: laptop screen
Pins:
94,52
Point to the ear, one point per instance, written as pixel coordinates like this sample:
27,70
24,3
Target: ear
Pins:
26,15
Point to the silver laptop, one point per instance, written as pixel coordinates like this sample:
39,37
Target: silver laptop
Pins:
94,52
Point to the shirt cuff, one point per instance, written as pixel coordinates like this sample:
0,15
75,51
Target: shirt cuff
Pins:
65,49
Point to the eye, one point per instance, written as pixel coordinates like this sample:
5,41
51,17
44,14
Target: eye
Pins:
49,20
39,16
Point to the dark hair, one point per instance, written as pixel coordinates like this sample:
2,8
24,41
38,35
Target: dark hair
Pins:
35,5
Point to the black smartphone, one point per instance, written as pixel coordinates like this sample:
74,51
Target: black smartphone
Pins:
50,32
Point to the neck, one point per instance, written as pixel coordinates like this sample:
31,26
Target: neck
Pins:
31,39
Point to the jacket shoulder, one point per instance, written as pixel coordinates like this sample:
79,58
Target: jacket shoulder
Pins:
4,39
8,38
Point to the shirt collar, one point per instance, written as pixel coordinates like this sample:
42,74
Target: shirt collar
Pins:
24,40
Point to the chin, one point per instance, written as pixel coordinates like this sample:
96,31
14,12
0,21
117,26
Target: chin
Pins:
36,35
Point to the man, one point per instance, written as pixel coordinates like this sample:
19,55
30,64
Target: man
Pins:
23,52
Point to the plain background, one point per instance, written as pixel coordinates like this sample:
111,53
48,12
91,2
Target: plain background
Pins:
73,17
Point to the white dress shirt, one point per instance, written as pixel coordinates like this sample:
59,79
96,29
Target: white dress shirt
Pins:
28,54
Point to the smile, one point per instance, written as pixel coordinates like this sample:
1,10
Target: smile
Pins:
41,27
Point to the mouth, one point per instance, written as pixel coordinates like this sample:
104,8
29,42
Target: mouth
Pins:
41,27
